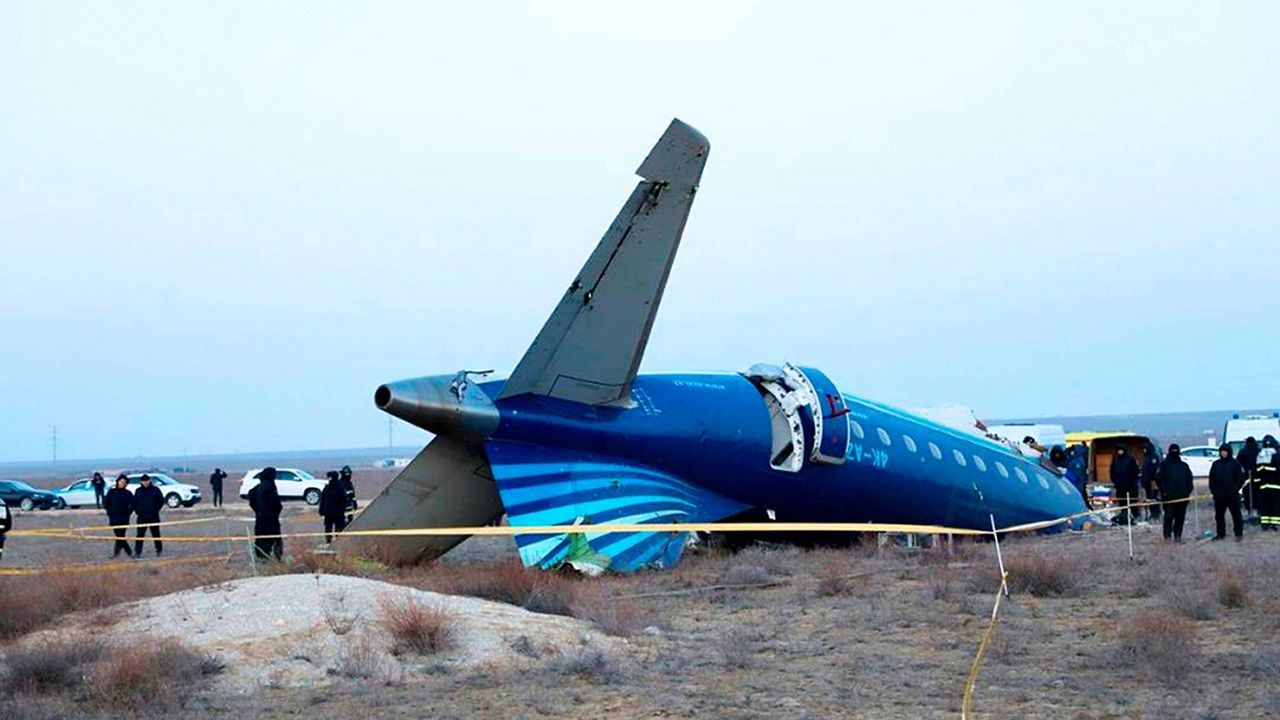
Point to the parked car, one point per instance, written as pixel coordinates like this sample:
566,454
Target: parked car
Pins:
21,495
176,494
1199,458
292,484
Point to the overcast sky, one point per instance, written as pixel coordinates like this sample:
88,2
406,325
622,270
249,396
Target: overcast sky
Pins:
223,226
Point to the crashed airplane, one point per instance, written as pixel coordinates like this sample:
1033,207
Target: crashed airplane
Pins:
576,436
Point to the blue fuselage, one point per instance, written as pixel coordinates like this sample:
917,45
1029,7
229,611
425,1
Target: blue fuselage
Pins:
713,431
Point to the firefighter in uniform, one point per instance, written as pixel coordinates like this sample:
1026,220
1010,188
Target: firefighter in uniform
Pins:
1267,499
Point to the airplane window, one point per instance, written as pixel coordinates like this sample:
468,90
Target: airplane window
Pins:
884,436
1044,482
1066,486
1021,475
857,429
959,456
911,444
1000,468
977,461
935,452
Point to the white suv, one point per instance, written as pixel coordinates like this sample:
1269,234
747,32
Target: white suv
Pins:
291,483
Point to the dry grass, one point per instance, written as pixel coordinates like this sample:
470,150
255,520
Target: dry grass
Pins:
590,664
1233,590
941,584
614,616
415,627
50,665
1045,575
509,582
338,613
31,603
360,660
1192,601
1158,644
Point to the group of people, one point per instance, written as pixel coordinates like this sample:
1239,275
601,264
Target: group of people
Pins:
145,502
1233,482
337,507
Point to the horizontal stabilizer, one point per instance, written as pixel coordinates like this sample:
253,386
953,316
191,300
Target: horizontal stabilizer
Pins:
590,348
545,486
447,485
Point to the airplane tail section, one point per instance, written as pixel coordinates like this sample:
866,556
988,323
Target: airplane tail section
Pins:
590,348
545,486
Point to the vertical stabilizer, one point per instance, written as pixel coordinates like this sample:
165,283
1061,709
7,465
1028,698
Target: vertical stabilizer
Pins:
590,348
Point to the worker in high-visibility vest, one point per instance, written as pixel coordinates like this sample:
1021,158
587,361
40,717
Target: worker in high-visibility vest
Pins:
1267,498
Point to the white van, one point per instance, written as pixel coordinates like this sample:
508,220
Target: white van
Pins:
1250,426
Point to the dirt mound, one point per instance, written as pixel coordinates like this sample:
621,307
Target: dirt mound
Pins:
300,630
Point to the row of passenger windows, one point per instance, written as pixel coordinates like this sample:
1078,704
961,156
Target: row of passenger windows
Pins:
959,457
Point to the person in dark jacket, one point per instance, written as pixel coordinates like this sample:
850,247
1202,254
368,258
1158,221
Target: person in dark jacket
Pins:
1175,484
1226,477
6,524
1150,469
264,500
99,488
1248,458
1124,477
215,484
333,506
119,505
147,501
350,488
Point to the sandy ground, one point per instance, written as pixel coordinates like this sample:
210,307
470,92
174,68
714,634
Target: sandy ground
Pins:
868,633
294,630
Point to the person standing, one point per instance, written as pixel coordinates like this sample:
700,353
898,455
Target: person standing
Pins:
1268,497
1150,469
1226,477
6,524
99,488
1248,458
215,484
333,506
1175,484
147,501
349,488
119,505
264,500
1124,477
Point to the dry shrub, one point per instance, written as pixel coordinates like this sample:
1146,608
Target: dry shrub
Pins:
359,660
148,674
330,563
1158,644
743,574
1045,575
614,616
416,627
509,582
50,665
941,583
1233,591
338,614
591,664
738,648
834,580
1192,601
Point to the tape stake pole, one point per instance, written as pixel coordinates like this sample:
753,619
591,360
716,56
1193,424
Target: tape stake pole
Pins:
1004,585
1129,518
1195,511
253,556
